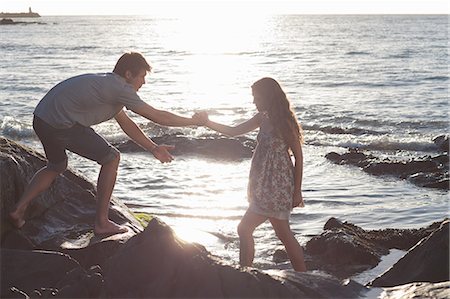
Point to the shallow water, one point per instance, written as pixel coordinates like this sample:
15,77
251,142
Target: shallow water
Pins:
379,83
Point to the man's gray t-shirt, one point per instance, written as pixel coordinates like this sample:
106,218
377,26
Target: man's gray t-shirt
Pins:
87,100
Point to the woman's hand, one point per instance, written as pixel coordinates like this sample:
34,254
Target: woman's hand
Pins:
298,200
200,118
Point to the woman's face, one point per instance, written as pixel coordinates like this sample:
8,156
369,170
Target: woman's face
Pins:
258,101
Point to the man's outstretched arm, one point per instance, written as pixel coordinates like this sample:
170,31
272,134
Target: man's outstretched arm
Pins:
161,152
164,118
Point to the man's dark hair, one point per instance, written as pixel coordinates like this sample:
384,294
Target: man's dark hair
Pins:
133,62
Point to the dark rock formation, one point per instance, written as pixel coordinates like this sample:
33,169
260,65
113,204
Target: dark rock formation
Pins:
442,143
60,218
165,267
427,261
212,147
153,263
344,249
430,172
47,274
418,290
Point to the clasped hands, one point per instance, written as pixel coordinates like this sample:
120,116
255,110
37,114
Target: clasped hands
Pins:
162,152
200,118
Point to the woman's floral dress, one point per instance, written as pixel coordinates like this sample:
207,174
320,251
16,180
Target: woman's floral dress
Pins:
271,179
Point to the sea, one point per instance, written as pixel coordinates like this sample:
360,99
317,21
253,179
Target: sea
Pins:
379,83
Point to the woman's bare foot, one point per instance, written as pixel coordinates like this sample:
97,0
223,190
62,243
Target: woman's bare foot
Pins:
109,228
17,219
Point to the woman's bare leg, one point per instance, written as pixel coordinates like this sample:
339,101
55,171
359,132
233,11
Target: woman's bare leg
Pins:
293,248
246,227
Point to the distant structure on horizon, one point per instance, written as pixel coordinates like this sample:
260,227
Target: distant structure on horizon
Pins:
29,14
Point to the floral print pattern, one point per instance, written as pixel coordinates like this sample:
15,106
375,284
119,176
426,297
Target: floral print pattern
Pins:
271,179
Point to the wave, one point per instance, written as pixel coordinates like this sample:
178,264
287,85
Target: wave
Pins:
210,146
207,217
357,53
368,84
216,146
12,128
383,145
340,130
436,78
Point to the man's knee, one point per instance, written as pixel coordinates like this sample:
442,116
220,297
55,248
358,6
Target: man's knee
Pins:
59,167
112,157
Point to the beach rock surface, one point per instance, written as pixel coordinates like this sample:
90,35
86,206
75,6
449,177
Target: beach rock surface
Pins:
427,261
58,246
428,171
418,290
44,274
60,218
56,253
344,249
166,267
210,146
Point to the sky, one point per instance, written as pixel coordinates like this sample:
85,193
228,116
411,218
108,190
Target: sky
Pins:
196,7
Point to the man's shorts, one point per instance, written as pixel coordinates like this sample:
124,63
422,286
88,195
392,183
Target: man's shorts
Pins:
78,139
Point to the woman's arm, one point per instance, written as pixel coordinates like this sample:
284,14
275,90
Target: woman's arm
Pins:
298,174
242,128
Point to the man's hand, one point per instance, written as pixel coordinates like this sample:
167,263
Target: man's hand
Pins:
161,152
298,200
200,118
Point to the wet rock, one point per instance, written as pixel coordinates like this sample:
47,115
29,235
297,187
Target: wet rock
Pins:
60,218
212,147
280,256
166,267
428,171
418,290
345,249
46,274
427,261
442,143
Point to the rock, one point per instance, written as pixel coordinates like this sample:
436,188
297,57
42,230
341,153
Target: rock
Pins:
418,290
427,261
212,147
280,256
163,266
442,143
30,273
345,249
429,172
318,284
62,217
6,21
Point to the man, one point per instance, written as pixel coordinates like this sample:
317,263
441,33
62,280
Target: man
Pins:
62,120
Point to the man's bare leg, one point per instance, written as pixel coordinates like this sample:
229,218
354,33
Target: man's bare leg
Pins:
105,186
40,182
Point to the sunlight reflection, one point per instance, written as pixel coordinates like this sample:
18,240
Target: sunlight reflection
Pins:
192,235
218,51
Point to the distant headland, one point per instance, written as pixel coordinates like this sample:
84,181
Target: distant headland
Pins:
29,14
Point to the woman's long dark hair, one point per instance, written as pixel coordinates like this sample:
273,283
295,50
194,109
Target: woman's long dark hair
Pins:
279,110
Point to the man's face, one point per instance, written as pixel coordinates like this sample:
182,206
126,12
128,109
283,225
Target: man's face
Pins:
137,81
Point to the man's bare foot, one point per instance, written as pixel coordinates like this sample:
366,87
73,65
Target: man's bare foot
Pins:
109,228
16,219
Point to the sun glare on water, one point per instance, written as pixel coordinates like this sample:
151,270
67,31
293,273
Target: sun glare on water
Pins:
217,46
